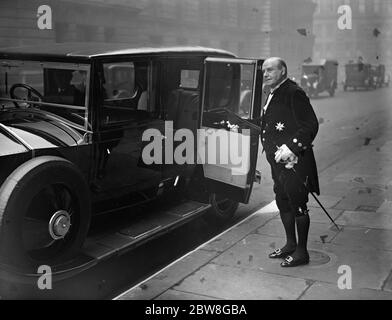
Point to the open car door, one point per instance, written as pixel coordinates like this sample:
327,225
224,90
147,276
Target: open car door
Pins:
228,138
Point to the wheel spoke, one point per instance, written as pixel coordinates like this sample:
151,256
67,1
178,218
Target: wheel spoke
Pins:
66,200
35,233
54,197
36,236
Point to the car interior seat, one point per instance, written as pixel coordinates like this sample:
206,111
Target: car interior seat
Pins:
183,109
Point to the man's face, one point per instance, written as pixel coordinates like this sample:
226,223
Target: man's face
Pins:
272,73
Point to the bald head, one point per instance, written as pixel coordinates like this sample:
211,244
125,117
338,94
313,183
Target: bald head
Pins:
274,71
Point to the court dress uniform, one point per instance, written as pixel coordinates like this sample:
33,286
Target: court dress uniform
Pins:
289,119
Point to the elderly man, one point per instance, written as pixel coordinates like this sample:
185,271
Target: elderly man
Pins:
289,126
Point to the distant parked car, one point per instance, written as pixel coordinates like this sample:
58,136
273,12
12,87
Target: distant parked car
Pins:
359,75
319,77
381,77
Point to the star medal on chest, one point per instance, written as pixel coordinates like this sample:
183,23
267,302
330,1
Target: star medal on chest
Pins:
279,126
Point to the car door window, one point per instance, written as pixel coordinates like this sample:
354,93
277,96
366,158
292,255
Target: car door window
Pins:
126,92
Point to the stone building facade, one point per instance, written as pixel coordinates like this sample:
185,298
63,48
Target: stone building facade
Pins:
362,40
248,28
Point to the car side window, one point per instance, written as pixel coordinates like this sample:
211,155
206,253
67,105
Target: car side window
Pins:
126,92
119,80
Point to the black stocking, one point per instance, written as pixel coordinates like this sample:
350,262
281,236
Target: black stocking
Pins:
288,220
303,223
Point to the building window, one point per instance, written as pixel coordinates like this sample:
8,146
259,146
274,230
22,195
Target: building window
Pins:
190,10
182,41
213,12
168,9
61,31
224,44
330,5
318,4
241,47
376,6
108,34
156,39
229,12
170,40
361,6
205,42
85,32
336,4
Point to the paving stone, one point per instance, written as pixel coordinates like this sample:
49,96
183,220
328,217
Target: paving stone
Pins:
376,220
337,189
180,295
385,207
388,283
367,179
327,291
326,200
370,169
146,291
364,238
234,235
318,215
342,165
362,196
170,276
369,269
187,265
241,284
319,232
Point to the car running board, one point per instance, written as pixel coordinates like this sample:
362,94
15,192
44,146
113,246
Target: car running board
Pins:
102,247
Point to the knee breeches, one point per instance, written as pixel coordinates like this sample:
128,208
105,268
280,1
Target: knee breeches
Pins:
290,193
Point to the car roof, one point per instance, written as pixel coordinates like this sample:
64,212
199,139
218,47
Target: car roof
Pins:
91,50
357,63
320,63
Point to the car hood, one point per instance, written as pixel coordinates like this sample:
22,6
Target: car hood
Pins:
8,145
35,133
310,77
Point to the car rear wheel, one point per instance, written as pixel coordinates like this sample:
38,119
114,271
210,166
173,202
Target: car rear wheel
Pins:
222,209
44,213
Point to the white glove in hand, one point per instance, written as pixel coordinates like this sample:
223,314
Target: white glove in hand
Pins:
283,153
291,162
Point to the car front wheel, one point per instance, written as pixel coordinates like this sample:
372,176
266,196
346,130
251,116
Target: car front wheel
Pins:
44,213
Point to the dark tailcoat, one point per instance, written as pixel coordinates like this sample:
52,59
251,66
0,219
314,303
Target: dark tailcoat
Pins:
290,119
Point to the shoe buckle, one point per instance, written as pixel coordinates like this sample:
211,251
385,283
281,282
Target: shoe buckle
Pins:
289,259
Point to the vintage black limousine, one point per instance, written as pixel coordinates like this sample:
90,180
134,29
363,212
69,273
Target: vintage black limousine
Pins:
75,122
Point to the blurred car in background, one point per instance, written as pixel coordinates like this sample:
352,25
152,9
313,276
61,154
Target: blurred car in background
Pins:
359,75
319,77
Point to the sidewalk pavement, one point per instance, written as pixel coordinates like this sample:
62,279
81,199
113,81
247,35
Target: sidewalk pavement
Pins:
357,192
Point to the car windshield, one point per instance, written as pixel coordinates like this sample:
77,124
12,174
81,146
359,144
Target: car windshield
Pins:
54,88
310,70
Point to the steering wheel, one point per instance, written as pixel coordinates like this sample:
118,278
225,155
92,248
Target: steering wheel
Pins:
30,91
